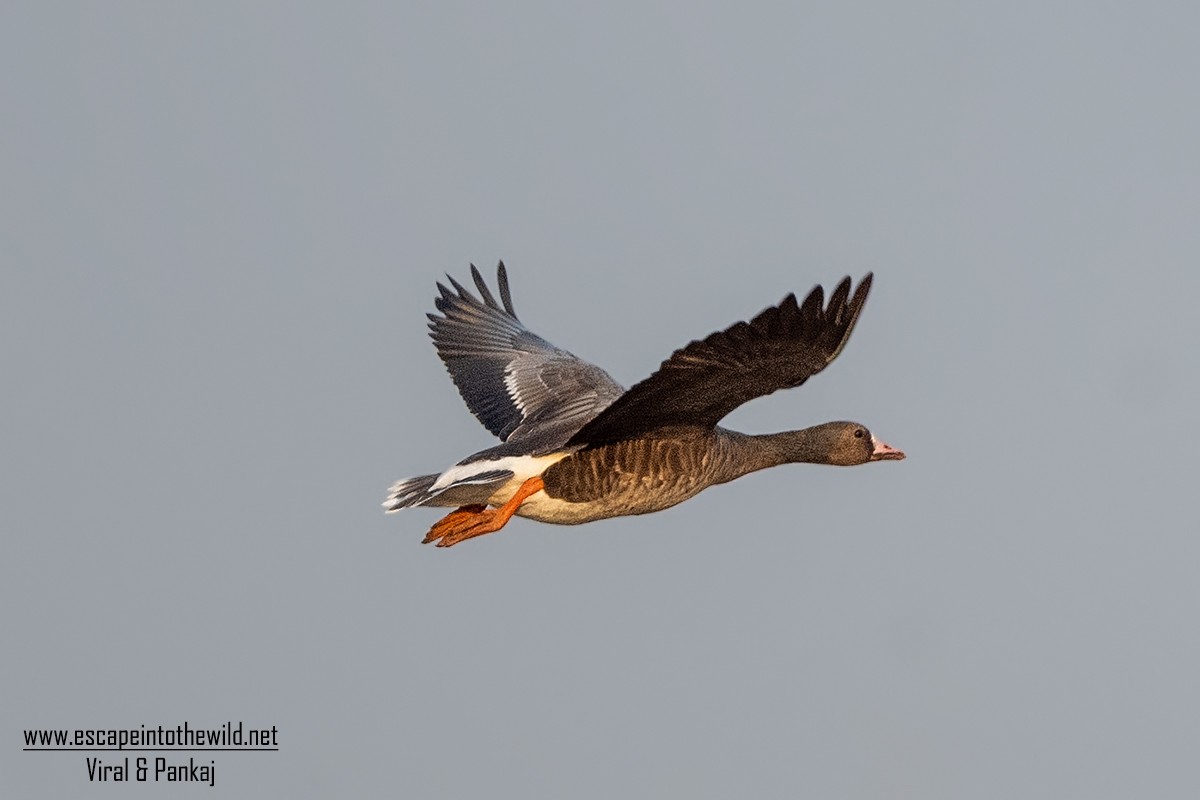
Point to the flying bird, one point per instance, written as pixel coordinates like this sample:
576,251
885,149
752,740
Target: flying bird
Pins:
578,447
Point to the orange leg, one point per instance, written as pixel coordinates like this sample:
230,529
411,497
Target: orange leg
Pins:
471,521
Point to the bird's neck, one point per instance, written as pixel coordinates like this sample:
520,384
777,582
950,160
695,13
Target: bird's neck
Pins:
745,453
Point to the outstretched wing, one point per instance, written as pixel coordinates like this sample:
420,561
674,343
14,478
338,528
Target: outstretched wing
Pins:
519,385
699,384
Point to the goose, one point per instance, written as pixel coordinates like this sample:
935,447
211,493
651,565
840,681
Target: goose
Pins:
577,447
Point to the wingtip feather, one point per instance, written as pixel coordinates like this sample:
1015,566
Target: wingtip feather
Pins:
462,291
505,294
813,304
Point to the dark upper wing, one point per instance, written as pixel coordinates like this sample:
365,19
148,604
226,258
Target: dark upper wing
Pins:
699,384
518,384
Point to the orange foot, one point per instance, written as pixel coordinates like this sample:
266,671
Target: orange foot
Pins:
476,520
455,519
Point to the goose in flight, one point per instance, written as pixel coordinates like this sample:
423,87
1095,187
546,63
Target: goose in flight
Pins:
578,447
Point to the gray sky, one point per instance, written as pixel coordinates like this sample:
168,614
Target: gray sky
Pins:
221,228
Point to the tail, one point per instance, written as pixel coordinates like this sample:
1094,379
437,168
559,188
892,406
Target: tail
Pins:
423,490
409,492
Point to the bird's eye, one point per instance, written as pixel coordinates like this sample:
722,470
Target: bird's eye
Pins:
858,434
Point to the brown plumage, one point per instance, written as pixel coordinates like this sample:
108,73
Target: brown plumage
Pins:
579,448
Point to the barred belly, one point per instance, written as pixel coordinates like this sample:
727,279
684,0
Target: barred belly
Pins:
638,476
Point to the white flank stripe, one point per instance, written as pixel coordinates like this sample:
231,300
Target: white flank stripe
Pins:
522,468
